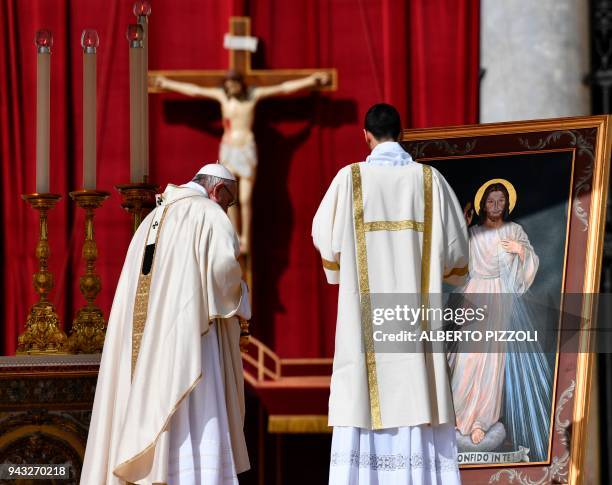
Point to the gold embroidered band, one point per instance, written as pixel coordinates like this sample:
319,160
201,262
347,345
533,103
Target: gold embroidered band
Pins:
330,265
364,293
394,226
426,251
141,303
457,272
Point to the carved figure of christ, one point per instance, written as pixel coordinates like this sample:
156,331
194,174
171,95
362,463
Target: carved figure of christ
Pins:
238,92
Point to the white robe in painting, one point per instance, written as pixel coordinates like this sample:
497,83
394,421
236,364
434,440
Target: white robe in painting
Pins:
392,413
173,411
478,379
481,382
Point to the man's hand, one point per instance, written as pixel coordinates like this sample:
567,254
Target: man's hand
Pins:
244,335
321,78
157,81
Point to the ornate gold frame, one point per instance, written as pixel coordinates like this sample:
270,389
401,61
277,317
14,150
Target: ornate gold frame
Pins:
593,250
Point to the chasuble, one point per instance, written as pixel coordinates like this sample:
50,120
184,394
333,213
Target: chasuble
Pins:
172,346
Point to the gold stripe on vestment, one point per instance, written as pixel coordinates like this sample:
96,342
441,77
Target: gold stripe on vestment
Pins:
457,272
426,251
364,293
394,226
330,265
141,303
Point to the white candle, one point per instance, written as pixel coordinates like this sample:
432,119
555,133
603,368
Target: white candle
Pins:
44,41
142,10
89,42
134,36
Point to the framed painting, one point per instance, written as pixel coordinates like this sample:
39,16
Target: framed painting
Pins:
521,417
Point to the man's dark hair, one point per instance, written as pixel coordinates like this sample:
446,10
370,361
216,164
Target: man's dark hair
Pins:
383,121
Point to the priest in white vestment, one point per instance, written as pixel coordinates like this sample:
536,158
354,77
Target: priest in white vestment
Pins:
389,225
169,404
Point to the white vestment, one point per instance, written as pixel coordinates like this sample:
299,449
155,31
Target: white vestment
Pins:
389,225
169,404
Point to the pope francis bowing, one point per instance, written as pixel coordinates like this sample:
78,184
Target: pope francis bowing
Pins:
389,225
169,403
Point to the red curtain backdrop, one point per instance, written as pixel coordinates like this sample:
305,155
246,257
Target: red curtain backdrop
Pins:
420,55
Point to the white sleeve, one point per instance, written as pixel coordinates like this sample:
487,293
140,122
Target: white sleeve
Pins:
327,228
454,228
227,293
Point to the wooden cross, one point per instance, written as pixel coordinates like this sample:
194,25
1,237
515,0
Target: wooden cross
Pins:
240,61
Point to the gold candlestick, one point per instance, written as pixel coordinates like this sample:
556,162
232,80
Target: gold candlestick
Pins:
42,333
89,325
138,200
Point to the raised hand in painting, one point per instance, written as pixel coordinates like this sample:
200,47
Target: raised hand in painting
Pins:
468,213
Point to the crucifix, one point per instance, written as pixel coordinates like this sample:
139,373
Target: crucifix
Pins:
238,91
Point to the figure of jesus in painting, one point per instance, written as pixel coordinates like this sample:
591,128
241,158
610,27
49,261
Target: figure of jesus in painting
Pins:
498,385
238,152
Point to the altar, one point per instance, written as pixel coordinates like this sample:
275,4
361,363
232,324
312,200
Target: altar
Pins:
45,408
